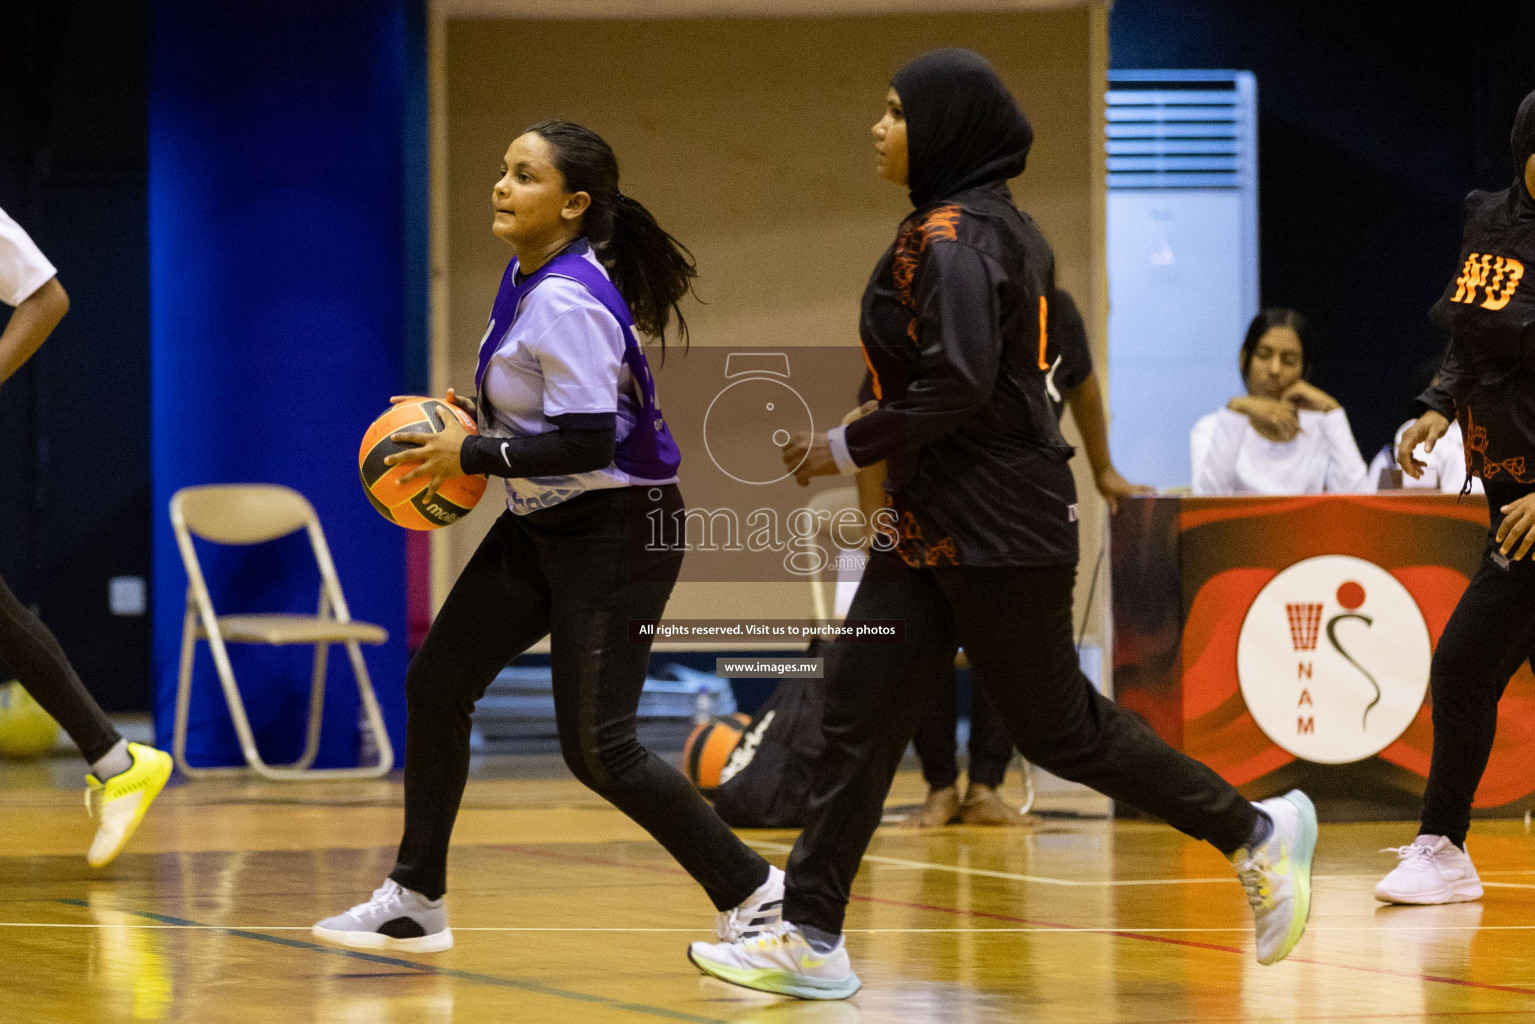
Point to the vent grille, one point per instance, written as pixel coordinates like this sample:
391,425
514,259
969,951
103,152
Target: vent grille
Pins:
1181,129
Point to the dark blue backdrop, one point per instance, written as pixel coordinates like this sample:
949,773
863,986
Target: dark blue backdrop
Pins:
1375,120
74,94
286,245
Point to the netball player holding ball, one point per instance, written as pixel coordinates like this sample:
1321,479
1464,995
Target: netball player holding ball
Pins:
567,414
985,550
1488,381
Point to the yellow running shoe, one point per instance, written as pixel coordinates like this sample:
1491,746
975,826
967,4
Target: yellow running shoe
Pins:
121,802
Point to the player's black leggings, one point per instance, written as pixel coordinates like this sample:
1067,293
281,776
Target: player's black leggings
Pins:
32,653
990,747
1489,634
1015,625
567,572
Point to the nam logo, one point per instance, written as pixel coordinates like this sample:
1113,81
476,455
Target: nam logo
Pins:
1333,659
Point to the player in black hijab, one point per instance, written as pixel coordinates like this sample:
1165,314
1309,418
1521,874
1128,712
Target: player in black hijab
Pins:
963,128
955,326
1488,381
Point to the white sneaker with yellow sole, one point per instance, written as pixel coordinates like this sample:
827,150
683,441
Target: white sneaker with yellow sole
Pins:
121,802
781,960
1277,875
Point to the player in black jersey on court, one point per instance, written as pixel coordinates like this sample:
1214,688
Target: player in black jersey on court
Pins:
1071,381
1488,381
954,325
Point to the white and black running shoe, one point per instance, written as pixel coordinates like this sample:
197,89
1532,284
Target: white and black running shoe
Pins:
396,919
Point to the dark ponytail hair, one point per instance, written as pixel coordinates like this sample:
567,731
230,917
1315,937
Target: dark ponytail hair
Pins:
1267,320
651,269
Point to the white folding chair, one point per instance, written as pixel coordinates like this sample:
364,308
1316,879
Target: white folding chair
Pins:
252,514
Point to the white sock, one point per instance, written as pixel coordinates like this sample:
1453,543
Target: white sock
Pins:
762,890
114,762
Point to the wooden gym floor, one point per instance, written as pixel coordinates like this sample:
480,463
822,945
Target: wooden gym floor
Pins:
564,911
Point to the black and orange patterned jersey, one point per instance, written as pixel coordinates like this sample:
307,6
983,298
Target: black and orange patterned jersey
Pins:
1067,351
1488,309
955,327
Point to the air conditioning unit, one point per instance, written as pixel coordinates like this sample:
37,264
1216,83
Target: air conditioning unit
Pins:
1182,169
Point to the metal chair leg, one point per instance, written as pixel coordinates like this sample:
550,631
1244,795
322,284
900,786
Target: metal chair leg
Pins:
372,711
316,696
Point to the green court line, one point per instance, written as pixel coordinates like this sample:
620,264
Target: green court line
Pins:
442,972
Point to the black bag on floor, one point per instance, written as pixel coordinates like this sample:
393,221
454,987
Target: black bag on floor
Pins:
766,781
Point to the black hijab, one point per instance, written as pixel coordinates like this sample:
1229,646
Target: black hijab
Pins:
1521,139
963,128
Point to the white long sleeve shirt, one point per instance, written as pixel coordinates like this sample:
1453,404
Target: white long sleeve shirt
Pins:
1230,457
1446,464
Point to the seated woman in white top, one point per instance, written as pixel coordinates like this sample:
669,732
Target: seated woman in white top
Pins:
1285,436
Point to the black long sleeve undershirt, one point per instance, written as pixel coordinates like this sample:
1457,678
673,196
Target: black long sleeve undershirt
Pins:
583,442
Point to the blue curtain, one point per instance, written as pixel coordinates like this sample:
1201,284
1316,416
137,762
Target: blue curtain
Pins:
287,284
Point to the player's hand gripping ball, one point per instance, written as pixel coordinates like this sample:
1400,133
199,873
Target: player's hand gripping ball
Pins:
411,503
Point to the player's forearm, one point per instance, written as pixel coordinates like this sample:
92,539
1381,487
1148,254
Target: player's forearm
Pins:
1086,403
555,453
30,325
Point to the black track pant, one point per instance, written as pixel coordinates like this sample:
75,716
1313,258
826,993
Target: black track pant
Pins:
567,572
990,748
1015,625
1489,634
30,651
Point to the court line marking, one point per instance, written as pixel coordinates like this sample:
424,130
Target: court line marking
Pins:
1143,935
537,988
1012,876
1052,929
1388,1017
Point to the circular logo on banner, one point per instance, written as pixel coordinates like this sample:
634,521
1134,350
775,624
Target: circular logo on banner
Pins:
1333,659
